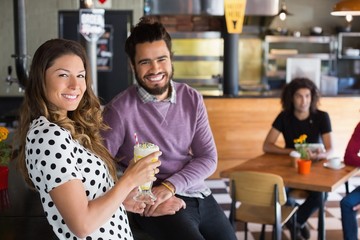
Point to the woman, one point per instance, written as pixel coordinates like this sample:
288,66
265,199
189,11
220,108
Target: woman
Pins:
61,151
299,116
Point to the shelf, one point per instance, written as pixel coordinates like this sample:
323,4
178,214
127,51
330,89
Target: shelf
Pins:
277,49
349,34
310,39
348,40
198,58
322,56
344,57
276,74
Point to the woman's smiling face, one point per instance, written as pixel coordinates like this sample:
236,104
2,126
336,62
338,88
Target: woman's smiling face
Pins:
65,82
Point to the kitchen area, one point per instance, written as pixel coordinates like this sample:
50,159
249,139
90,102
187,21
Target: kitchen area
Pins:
241,86
264,46
199,35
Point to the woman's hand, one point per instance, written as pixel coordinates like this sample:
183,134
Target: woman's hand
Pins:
134,206
144,170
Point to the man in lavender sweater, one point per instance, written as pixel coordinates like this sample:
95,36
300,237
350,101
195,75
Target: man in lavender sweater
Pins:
173,116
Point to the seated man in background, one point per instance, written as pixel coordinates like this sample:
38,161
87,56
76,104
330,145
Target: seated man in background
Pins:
173,116
299,116
350,204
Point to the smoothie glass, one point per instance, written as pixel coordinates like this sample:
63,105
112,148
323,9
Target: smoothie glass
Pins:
142,150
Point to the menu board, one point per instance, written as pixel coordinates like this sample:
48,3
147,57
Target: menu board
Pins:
105,50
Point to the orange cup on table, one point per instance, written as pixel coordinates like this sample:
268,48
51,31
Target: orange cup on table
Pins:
304,166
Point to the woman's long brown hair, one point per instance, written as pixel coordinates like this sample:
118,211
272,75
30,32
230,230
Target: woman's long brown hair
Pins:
84,123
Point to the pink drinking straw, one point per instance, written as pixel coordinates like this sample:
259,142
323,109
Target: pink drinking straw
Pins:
136,139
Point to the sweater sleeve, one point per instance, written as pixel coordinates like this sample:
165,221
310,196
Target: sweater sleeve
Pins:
204,155
351,153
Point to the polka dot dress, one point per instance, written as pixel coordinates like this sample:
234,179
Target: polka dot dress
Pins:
53,158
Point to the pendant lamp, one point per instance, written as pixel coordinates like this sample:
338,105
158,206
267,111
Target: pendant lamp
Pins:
346,7
283,12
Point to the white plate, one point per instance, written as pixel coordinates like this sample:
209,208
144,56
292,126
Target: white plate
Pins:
336,168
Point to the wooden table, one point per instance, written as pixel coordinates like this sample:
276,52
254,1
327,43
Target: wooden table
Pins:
320,179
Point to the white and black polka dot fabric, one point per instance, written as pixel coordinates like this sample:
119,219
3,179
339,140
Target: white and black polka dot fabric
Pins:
53,158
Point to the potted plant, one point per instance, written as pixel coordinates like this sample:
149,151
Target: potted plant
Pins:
304,164
302,147
5,148
5,157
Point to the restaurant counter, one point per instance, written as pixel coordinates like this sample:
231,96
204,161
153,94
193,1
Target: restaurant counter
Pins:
210,93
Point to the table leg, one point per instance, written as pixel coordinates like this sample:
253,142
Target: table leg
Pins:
321,223
347,187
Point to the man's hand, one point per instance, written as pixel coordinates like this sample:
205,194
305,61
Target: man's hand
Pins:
169,207
314,155
163,194
356,207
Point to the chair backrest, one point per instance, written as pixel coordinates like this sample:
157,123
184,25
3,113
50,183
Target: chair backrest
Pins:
257,188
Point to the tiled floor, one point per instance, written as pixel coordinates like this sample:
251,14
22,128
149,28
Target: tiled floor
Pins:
220,189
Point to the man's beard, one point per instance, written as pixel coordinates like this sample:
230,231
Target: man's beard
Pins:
156,90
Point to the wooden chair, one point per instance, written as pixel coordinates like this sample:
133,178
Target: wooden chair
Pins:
262,197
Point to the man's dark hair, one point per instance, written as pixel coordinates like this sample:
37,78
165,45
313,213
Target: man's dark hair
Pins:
291,88
147,30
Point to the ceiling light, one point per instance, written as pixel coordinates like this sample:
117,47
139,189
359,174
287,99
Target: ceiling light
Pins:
283,12
348,18
346,7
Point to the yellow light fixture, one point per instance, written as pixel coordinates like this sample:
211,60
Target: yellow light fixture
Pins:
346,7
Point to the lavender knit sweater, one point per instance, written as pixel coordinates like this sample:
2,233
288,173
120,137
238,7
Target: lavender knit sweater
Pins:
180,129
